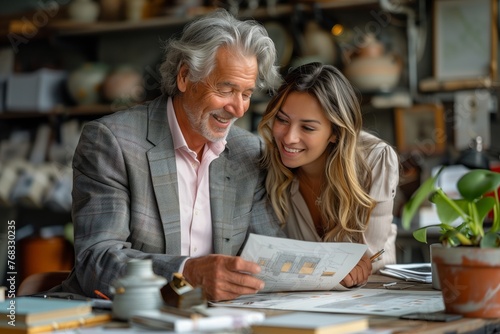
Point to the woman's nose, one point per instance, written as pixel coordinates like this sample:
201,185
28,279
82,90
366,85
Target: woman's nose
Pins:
290,135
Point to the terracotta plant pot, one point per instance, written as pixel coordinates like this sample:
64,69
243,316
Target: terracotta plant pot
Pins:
470,280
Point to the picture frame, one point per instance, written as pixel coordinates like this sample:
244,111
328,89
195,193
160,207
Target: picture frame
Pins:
420,129
465,40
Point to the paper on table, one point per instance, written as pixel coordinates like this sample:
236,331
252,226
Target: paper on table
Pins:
413,272
296,265
361,301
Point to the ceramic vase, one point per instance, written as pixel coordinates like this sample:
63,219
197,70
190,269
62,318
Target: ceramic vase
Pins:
371,69
123,85
83,10
111,10
134,9
469,278
138,290
84,83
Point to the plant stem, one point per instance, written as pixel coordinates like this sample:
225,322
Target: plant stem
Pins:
496,214
476,224
450,202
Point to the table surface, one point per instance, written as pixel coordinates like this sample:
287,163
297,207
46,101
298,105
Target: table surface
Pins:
464,325
383,324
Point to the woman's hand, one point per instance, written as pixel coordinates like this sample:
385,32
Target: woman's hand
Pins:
359,274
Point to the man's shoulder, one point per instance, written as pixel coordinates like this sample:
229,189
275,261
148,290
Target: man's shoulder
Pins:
239,134
132,120
125,115
239,137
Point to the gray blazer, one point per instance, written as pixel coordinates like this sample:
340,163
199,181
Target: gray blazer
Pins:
126,203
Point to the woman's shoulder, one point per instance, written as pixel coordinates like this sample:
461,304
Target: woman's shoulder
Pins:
378,151
384,165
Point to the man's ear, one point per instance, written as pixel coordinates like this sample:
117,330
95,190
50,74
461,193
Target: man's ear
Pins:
182,78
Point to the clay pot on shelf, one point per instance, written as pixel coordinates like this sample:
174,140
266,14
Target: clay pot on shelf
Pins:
84,83
111,10
123,85
373,70
319,43
83,10
134,9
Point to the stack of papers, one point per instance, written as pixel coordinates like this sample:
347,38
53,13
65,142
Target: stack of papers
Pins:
414,272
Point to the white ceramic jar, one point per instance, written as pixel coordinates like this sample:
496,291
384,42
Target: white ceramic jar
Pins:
138,290
85,83
83,10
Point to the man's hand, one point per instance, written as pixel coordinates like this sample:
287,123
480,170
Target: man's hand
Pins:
223,277
359,274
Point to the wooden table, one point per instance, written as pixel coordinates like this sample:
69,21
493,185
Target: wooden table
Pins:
396,325
385,324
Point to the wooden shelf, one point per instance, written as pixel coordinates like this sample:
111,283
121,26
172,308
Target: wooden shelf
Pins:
96,109
71,28
435,85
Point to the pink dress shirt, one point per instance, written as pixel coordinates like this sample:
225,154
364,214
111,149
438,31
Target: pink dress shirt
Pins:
194,191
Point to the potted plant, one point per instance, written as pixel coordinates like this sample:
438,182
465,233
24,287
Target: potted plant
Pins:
468,262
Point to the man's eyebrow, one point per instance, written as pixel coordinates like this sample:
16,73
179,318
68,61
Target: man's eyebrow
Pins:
233,85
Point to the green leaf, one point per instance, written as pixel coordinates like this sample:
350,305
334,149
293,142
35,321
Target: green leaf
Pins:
490,240
420,234
411,207
477,183
446,212
484,206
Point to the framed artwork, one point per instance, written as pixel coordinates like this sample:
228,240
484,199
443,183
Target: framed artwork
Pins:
465,39
420,128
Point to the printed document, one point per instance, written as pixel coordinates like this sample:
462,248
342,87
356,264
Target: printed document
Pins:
296,265
360,301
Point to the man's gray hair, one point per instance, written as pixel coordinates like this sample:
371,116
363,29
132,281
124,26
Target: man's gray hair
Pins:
200,41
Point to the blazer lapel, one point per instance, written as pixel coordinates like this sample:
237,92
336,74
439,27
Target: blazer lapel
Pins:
164,174
222,197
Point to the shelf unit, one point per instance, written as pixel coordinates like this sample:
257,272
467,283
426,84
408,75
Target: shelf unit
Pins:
69,28
65,29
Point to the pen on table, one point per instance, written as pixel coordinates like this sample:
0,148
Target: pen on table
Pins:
102,295
375,256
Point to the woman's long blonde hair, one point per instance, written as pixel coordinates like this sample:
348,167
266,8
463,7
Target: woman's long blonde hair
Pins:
346,203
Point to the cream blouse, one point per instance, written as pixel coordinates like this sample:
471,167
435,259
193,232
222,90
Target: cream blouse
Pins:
381,231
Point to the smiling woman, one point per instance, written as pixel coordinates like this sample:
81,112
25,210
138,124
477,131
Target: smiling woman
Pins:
327,179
